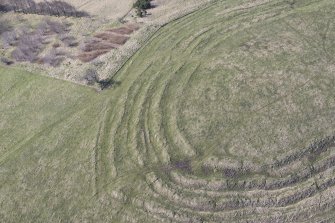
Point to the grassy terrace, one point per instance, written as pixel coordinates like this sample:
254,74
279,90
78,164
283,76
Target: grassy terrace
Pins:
224,115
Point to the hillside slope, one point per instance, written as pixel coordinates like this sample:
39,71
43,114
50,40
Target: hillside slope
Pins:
225,115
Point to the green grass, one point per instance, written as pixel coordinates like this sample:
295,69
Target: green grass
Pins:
234,86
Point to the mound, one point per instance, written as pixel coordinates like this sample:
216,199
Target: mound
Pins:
226,115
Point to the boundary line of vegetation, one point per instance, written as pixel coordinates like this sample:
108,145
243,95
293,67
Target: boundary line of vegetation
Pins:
52,8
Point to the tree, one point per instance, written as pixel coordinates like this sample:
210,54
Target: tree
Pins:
143,4
141,7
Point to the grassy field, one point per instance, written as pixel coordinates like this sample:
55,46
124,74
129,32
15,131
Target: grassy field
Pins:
225,115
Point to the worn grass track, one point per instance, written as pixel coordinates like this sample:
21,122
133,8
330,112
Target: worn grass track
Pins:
225,115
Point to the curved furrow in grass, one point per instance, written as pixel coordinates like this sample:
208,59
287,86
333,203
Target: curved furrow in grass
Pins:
133,110
154,99
211,115
121,132
169,109
135,121
229,210
102,157
232,201
132,120
250,213
223,116
113,128
151,121
228,26
146,96
249,180
143,138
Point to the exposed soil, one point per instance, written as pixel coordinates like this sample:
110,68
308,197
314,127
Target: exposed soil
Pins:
89,56
103,42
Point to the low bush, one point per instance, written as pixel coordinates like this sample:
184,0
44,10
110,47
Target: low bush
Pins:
69,41
9,38
4,26
57,27
6,61
28,47
52,60
91,76
107,83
